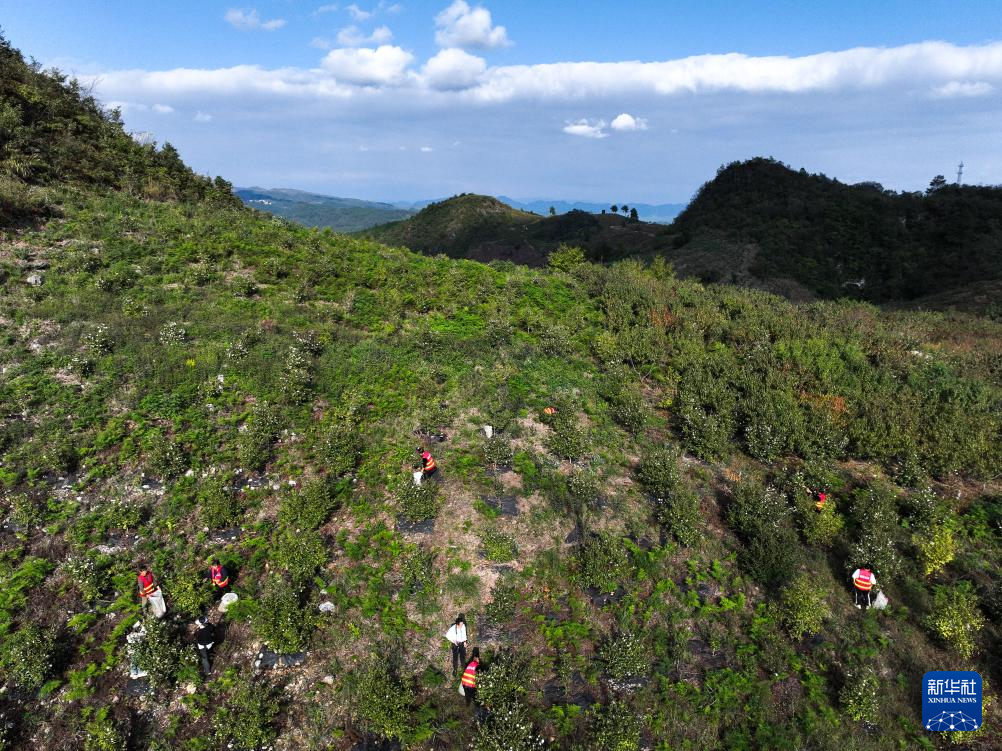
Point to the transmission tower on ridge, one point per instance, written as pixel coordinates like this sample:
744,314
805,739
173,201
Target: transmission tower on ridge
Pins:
960,172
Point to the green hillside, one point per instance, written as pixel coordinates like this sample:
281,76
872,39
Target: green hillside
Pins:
642,568
314,210
850,240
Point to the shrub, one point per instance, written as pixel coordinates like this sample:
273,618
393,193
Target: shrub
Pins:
659,471
822,527
505,681
189,591
27,656
936,547
246,719
298,552
955,618
280,620
875,509
382,701
101,733
757,510
99,341
624,656
498,547
339,446
567,439
165,458
772,424
498,452
614,727
803,608
508,729
89,574
312,506
504,600
679,515
173,332
630,410
160,652
860,695
258,435
418,502
603,562
583,488
218,505
566,257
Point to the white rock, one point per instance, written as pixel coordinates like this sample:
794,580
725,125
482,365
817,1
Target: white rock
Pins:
489,431
35,280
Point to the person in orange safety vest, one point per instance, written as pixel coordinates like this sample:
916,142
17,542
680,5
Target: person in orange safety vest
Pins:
820,500
428,466
469,680
219,576
863,580
150,593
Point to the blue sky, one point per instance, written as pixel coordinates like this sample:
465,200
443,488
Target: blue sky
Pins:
637,101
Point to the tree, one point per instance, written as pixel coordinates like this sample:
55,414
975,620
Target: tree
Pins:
566,257
937,183
553,211
633,214
615,209
625,208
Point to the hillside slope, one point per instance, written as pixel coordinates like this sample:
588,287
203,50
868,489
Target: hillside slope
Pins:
641,566
316,210
482,228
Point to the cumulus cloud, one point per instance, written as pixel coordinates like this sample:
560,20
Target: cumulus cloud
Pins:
128,107
250,20
627,121
426,149
385,65
321,43
453,69
586,128
459,25
329,8
162,109
202,117
352,36
963,89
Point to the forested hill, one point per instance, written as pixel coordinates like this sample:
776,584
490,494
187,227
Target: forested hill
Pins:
52,131
850,240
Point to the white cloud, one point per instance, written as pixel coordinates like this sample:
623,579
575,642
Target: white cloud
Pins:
392,9
363,66
250,20
162,109
586,128
963,89
453,69
459,25
426,149
352,36
627,121
329,8
202,117
321,43
358,14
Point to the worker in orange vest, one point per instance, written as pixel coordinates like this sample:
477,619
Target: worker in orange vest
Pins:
863,580
150,593
469,681
219,577
821,500
428,466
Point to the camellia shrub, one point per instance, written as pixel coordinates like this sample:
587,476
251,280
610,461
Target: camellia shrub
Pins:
603,562
218,505
310,507
936,547
505,681
160,652
499,547
418,502
624,656
280,619
257,437
382,701
803,608
860,695
955,618
614,727
508,728
247,718
676,506
27,655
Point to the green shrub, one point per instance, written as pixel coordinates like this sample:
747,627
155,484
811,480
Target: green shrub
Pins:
614,727
508,728
338,445
280,619
659,470
26,512
27,655
803,608
310,507
630,410
624,656
773,422
875,510
166,459
189,591
504,600
246,718
498,546
218,505
566,257
89,574
505,680
603,562
101,733
382,701
567,439
254,448
161,652
757,510
418,502
497,452
936,547
298,552
822,527
860,696
955,618
583,488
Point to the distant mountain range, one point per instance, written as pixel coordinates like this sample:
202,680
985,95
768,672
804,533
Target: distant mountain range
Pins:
354,214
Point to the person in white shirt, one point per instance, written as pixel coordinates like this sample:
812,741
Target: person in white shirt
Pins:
457,638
